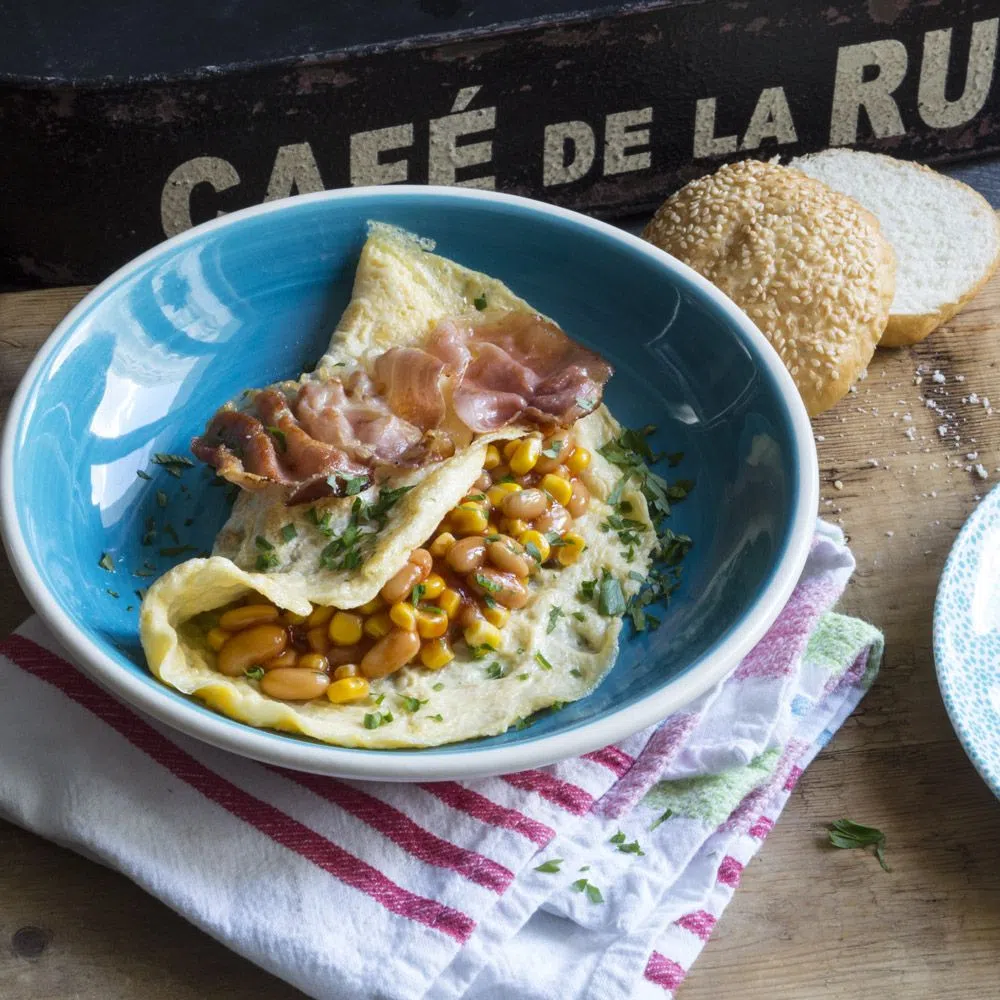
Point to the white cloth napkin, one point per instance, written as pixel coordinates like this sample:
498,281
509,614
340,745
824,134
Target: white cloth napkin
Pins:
350,889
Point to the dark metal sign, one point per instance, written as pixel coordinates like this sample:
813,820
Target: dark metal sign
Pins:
605,115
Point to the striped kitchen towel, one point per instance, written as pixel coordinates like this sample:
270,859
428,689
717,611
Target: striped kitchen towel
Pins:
598,877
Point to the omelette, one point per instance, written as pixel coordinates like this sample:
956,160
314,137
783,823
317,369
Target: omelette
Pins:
428,544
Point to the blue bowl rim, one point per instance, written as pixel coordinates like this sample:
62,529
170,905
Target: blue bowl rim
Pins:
942,658
146,693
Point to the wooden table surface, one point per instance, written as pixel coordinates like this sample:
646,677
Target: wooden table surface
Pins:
809,922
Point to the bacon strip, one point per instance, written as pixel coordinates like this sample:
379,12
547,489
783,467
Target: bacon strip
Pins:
487,374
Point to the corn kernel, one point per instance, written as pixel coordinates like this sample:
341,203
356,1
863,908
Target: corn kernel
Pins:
469,520
345,670
378,625
216,637
492,459
538,541
558,488
433,586
498,491
524,459
348,689
482,633
440,546
318,639
449,601
431,624
403,616
370,607
578,460
497,615
345,628
319,616
510,447
513,526
569,553
436,653
291,618
314,661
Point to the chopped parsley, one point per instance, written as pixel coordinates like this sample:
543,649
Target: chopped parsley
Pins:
632,453
254,673
555,613
174,464
587,589
279,436
579,616
548,867
593,893
266,561
633,848
522,677
141,593
610,600
554,449
113,593
490,586
412,704
847,834
482,651
542,662
347,486
149,535
438,687
532,549
417,594
143,475
288,532
662,818
576,672
262,543
106,562
521,723
494,671
436,718
373,720
480,302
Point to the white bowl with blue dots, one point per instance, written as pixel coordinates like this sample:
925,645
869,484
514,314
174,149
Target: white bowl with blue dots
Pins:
967,638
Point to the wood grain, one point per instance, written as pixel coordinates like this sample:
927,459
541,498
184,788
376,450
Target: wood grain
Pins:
809,922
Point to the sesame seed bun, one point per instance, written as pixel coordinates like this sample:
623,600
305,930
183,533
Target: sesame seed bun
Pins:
806,263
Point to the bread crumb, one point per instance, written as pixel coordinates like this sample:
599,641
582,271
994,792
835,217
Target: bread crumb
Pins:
910,432
889,534
981,472
873,462
820,438
938,377
972,456
942,430
837,484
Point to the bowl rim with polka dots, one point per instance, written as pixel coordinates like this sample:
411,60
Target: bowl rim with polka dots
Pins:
967,642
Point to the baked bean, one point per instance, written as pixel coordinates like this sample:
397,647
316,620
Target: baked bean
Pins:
466,554
292,684
345,670
561,446
336,655
318,639
253,645
423,559
504,588
286,659
399,587
469,615
524,505
508,556
580,500
556,519
562,471
502,471
390,653
252,614
316,662
483,483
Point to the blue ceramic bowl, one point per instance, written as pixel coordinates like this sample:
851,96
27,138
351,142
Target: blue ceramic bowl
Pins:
138,366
